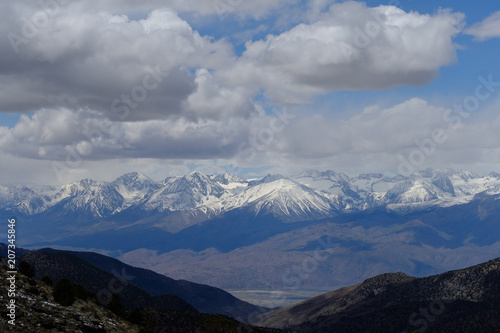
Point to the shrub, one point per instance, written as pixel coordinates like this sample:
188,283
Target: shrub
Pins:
63,292
80,292
47,280
26,269
116,306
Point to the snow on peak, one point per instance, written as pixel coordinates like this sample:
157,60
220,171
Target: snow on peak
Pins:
324,175
266,179
308,195
228,178
413,190
282,198
188,192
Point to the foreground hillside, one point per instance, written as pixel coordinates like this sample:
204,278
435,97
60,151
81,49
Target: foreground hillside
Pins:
138,287
37,311
153,306
466,300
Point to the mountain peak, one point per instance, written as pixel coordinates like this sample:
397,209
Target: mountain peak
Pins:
226,178
413,190
269,178
134,176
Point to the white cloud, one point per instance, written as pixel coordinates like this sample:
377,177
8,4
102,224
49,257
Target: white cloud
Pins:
350,47
133,81
53,134
374,137
84,58
93,57
487,29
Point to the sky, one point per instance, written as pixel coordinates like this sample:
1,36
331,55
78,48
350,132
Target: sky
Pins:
94,89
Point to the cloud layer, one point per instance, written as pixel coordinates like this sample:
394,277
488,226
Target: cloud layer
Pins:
125,80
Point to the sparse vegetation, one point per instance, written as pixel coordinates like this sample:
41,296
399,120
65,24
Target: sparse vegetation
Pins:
41,313
26,269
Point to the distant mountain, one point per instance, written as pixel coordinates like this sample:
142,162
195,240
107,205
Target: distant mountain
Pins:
465,300
183,193
309,195
228,179
228,253
413,190
282,198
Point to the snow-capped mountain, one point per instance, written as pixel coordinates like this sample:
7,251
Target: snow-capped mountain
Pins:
282,198
134,187
309,195
184,193
413,190
86,198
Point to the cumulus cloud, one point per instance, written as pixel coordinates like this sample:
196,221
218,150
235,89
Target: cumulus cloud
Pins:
83,58
487,29
350,47
376,137
129,80
56,134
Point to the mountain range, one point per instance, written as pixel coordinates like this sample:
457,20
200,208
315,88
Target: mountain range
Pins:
216,229
309,195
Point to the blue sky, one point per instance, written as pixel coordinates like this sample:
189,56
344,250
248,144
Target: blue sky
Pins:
74,103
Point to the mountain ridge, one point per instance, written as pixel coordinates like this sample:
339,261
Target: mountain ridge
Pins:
368,305
205,196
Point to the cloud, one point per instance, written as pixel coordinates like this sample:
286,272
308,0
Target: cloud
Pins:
350,47
108,81
59,134
83,58
155,67
487,29
375,137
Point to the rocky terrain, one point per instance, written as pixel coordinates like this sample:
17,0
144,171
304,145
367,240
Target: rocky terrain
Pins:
465,300
36,311
137,287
